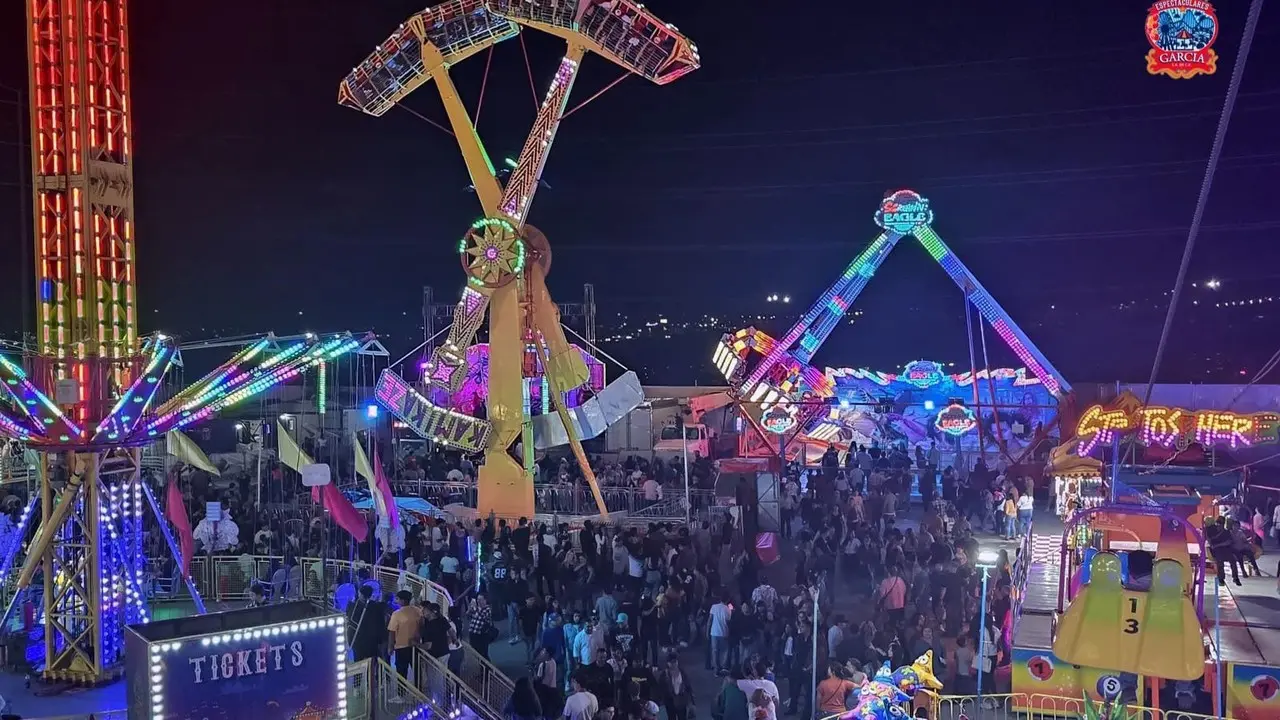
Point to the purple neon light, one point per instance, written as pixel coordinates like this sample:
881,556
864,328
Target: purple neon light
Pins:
13,429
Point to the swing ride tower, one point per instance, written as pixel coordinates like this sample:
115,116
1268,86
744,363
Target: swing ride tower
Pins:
91,393
504,258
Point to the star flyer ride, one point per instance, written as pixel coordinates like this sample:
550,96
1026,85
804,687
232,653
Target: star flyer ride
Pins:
791,394
506,260
94,393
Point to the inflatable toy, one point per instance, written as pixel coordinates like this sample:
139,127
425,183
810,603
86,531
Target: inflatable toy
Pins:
882,696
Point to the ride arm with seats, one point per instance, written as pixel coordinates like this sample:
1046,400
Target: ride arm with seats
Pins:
624,32
527,175
1155,633
458,29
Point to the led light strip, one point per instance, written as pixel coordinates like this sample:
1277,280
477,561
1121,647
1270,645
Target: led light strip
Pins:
18,534
157,670
30,396
331,349
13,429
116,423
215,376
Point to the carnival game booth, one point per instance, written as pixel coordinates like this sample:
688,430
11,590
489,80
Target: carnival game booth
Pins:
1077,480
276,662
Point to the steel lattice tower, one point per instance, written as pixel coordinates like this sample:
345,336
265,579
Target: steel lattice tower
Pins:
81,164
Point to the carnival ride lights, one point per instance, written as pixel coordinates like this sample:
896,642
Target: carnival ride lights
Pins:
765,370
506,260
159,668
90,396
1168,427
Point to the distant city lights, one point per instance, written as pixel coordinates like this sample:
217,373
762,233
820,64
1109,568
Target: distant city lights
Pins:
778,298
1213,283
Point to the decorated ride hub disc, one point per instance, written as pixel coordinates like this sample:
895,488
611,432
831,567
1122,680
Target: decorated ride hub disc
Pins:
492,252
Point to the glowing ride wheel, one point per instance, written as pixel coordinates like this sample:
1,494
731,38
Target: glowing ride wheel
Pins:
492,252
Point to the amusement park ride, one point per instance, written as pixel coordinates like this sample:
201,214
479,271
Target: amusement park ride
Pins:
506,259
775,375
94,393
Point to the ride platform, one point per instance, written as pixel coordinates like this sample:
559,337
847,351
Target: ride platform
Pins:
1248,642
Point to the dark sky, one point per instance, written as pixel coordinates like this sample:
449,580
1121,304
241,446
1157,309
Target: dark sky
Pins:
1059,170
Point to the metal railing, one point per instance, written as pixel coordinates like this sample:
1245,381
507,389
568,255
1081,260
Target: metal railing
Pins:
568,500
478,686
1007,706
228,578
394,697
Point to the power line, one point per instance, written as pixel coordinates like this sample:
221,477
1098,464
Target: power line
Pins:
948,134
871,72
1050,175
919,123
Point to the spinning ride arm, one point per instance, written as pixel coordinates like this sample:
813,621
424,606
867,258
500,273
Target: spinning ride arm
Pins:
816,325
1017,340
525,178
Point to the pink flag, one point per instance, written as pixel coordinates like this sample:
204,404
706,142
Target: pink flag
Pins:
347,517
384,489
176,511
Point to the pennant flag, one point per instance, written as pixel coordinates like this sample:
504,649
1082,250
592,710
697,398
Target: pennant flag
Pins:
176,511
346,516
290,454
365,471
185,449
382,491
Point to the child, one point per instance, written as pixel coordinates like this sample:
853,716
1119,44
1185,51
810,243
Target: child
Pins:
760,704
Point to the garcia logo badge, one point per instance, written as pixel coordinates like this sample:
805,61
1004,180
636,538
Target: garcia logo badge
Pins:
1182,33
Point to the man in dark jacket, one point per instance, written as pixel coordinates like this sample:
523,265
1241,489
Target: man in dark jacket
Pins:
367,620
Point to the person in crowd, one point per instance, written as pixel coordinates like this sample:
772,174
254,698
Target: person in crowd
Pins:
403,630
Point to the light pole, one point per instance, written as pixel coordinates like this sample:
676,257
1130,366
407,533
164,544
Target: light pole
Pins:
684,450
987,560
813,670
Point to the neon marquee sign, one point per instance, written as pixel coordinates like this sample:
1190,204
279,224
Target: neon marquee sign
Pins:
1157,425
779,419
922,373
904,211
956,420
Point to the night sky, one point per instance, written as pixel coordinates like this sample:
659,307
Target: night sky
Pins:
1061,173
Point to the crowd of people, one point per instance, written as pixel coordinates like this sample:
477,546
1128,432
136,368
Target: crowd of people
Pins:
609,620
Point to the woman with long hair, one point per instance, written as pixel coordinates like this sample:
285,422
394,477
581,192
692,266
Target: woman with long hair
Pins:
524,703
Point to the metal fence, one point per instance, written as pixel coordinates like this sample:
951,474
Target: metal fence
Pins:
473,684
228,578
1007,706
567,500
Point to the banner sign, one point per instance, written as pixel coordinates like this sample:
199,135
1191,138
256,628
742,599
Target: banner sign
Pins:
1175,427
277,672
428,420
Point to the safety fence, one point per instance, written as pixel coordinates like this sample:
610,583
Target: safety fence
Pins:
1006,706
567,500
226,579
463,682
229,578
